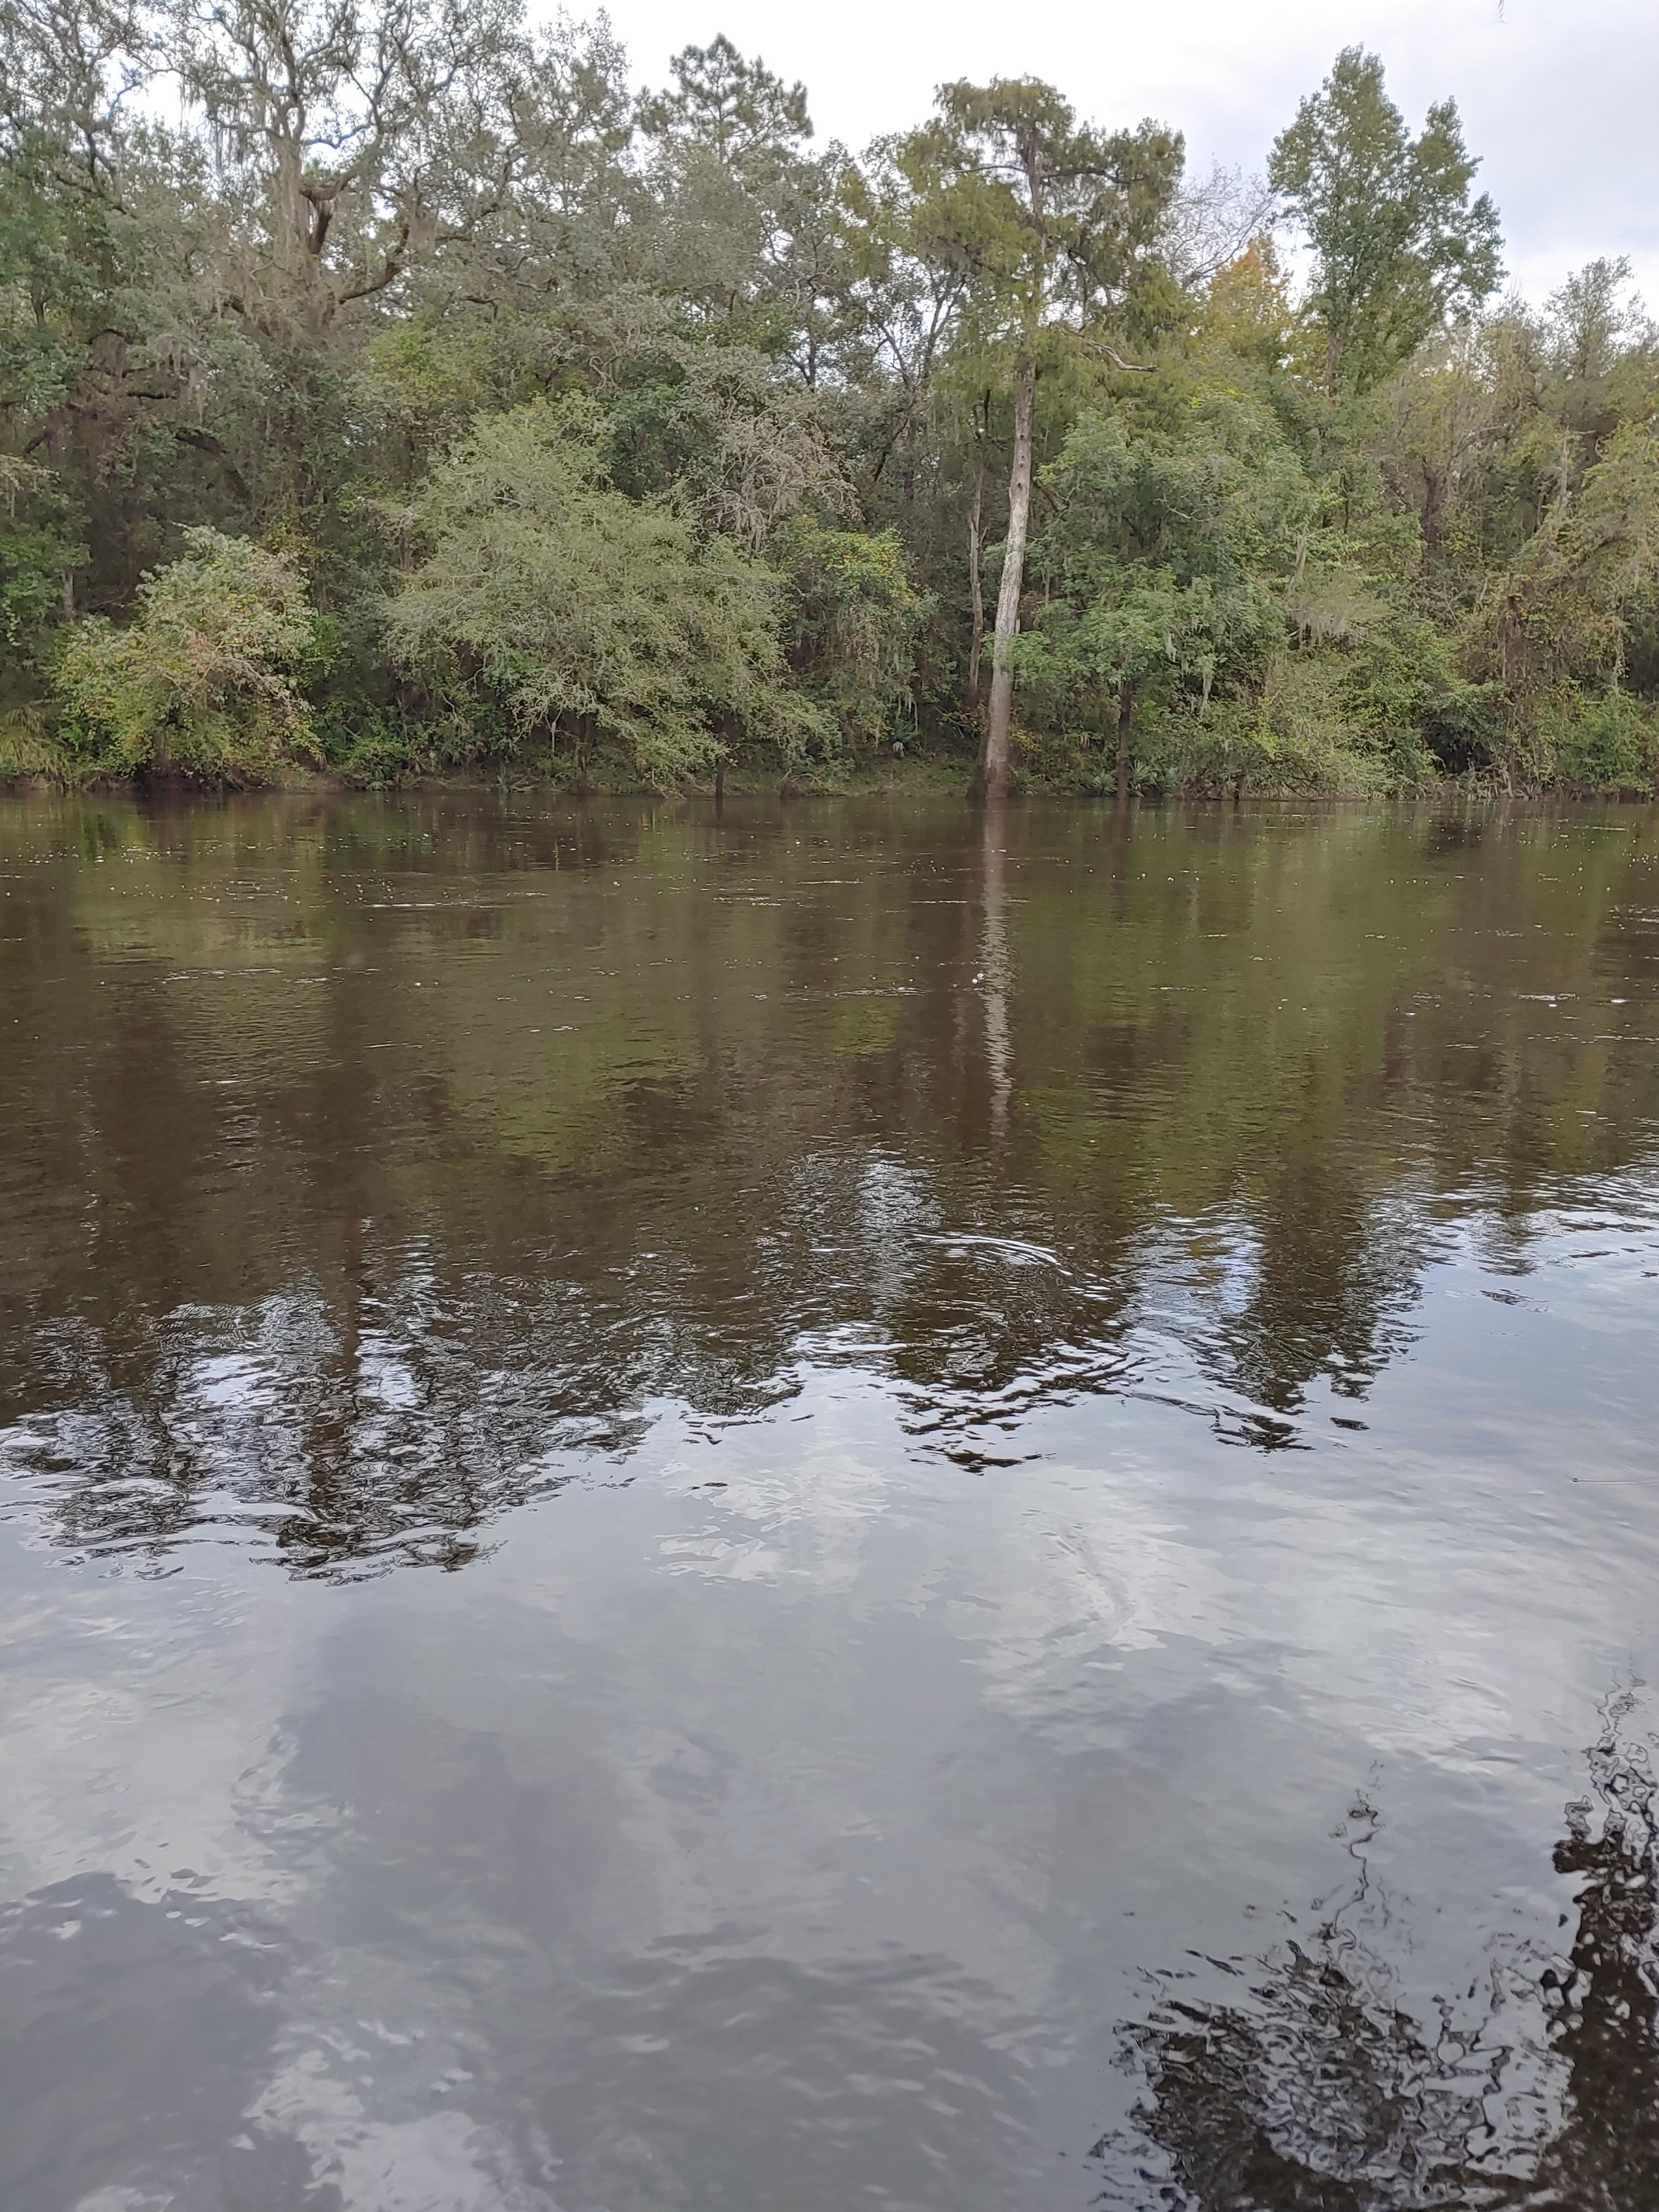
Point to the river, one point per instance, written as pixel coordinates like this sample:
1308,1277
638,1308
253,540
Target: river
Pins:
846,1505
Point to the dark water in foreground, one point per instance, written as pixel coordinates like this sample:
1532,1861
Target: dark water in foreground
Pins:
823,1511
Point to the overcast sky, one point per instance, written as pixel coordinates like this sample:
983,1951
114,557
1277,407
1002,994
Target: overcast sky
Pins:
1559,97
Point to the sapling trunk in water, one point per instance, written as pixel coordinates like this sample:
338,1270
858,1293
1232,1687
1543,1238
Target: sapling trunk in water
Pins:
998,723
1126,709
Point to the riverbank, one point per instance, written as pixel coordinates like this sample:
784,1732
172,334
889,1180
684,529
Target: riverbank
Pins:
31,756
912,777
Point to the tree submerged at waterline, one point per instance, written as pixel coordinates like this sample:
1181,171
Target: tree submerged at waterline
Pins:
399,392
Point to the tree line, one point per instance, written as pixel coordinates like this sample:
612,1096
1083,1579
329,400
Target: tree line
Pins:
386,387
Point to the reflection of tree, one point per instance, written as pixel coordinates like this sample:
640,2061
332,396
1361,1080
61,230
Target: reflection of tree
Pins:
1604,2010
996,975
339,1090
391,1426
1315,2090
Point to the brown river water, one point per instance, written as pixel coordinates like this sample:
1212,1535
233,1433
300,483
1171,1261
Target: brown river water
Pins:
848,1506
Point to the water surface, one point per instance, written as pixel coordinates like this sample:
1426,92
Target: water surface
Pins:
846,1506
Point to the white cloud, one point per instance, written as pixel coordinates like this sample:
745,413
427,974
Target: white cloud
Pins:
1556,98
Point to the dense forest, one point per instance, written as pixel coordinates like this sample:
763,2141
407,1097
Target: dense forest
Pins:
391,390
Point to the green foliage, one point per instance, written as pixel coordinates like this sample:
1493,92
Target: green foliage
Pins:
696,442
1398,244
736,108
1604,742
716,424
1219,497
36,552
855,617
1612,540
1166,564
1040,208
27,749
202,682
590,617
1298,737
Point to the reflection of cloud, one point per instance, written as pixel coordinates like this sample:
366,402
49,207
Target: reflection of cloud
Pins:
804,1514
439,2162
792,1814
129,2027
92,1781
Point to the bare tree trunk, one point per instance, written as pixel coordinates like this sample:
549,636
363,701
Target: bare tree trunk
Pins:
1126,709
1000,722
975,547
69,595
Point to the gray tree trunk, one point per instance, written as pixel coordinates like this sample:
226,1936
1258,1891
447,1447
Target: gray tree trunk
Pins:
1126,709
998,723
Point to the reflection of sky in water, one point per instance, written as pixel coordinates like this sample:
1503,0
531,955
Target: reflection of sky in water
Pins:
955,1558
937,1756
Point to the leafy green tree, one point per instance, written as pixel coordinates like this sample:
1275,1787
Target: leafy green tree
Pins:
1398,245
1056,224
1166,564
1614,537
747,447
748,227
1247,310
202,683
1440,413
746,117
855,614
348,138
1556,627
591,616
